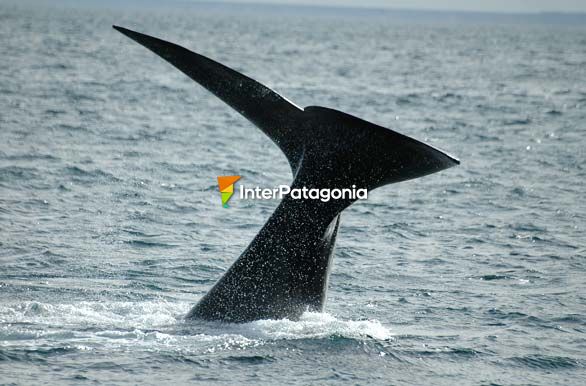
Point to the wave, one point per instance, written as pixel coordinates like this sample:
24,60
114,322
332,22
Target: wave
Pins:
545,362
152,324
312,325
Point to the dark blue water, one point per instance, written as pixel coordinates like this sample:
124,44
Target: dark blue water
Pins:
111,226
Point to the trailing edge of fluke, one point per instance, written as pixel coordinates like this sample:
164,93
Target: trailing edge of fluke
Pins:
285,270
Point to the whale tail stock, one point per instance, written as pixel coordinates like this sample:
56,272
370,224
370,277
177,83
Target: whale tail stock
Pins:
285,270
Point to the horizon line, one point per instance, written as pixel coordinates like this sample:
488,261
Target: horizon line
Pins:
307,4
373,7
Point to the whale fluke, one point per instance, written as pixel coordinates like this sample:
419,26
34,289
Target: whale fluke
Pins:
284,271
259,104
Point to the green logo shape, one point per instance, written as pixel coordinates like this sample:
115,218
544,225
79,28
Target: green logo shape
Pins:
226,184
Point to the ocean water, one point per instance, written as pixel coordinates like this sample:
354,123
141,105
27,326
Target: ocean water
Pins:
111,226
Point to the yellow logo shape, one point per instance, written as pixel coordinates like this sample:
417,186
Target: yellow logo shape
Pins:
226,184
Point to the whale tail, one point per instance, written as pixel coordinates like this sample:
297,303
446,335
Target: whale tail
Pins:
325,147
284,271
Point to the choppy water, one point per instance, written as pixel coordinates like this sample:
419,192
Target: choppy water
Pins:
111,225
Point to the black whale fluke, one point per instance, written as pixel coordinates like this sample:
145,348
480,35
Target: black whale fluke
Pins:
285,270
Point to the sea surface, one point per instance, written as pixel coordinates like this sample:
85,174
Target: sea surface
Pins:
111,225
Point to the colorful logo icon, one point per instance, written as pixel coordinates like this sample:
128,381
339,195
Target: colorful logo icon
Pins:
226,184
